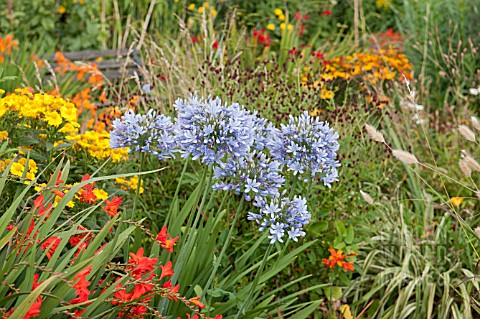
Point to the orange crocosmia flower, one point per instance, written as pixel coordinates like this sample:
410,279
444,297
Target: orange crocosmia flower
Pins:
196,301
112,206
347,266
51,244
167,270
165,240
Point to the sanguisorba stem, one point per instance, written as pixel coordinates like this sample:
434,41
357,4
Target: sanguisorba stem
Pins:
246,302
224,248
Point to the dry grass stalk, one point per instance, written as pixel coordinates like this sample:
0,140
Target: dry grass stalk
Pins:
405,157
374,134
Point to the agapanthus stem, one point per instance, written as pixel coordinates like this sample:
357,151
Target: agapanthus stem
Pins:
175,197
224,248
138,233
246,302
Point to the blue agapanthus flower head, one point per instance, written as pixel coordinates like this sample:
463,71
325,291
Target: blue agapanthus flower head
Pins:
282,217
151,133
265,133
212,131
254,175
308,147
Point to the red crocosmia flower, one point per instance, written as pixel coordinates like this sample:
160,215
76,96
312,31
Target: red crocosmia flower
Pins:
139,265
58,181
35,282
77,314
112,206
121,295
167,270
188,316
215,45
133,312
327,13
196,301
51,244
194,39
173,289
38,202
87,196
9,227
165,240
141,289
34,310
45,210
81,286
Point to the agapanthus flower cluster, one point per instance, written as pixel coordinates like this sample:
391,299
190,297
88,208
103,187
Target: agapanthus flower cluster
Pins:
264,131
209,130
308,147
254,175
282,216
149,133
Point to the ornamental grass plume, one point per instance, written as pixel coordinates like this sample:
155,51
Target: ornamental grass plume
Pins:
308,147
374,134
254,175
475,123
207,129
466,132
151,133
282,215
405,157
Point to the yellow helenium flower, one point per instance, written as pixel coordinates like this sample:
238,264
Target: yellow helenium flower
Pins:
456,201
100,194
17,169
3,135
191,7
271,26
278,11
53,119
281,17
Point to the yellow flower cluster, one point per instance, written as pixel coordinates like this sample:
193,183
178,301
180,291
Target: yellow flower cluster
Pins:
132,184
18,167
372,67
97,144
204,8
3,135
52,110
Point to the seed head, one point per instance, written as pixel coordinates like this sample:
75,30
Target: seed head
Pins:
466,132
374,134
405,157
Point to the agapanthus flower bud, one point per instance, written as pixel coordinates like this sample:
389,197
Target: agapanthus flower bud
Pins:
211,131
149,133
253,175
308,147
282,216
